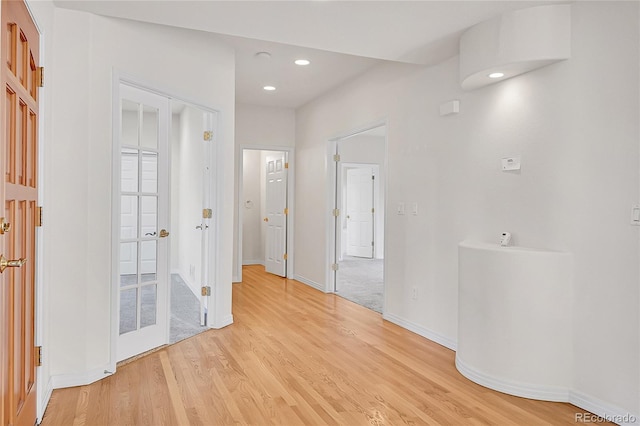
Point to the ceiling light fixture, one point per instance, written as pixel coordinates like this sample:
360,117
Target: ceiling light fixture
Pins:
302,62
496,75
263,55
269,88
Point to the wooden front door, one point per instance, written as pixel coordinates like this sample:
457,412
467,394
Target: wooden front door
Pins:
18,197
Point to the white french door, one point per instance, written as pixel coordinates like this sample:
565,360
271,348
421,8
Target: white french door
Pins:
276,205
143,264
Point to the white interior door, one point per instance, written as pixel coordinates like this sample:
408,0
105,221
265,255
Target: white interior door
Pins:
276,219
359,197
143,267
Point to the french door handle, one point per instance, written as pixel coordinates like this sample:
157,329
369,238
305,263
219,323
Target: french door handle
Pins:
151,234
201,227
5,263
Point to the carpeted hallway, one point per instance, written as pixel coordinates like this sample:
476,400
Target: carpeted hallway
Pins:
361,280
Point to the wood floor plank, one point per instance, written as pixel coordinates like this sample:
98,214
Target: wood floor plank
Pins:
296,356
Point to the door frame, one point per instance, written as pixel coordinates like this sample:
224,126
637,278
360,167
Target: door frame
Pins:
215,185
290,204
332,202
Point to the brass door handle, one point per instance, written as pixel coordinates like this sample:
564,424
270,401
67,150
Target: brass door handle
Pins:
164,233
266,219
5,263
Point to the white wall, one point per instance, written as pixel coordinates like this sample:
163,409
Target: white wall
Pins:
369,149
574,123
252,248
258,126
84,52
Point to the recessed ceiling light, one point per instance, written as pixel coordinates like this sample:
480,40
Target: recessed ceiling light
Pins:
496,75
269,88
302,62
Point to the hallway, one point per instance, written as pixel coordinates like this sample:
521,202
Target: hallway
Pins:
296,356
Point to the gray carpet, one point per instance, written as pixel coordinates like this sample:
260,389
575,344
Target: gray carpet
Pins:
185,308
185,311
361,281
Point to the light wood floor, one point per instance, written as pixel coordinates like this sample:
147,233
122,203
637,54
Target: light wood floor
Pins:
296,356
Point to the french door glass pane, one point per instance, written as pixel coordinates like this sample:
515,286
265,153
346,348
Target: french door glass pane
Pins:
128,217
128,310
149,172
128,263
149,127
130,122
129,170
148,303
149,216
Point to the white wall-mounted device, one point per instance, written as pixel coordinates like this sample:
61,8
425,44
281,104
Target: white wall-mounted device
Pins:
505,239
511,163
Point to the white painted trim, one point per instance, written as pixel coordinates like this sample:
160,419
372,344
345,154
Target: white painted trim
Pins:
603,409
310,283
586,402
419,330
81,379
290,154
512,387
228,320
44,396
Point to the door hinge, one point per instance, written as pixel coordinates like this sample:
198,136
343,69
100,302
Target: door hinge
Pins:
40,77
334,267
286,256
38,216
373,177
205,291
286,211
336,157
373,210
286,165
208,135
371,243
336,212
38,356
207,213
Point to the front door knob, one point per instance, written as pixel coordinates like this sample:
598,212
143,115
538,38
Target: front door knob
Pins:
4,226
164,233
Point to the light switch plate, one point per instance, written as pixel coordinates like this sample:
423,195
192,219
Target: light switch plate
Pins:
635,215
400,208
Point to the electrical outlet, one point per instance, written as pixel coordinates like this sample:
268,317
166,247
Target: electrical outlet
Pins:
414,293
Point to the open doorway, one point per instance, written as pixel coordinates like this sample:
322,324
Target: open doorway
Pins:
264,209
359,224
191,165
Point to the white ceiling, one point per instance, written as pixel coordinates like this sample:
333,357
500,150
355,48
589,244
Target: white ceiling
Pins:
341,38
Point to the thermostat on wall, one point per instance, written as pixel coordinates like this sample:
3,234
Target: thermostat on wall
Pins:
511,163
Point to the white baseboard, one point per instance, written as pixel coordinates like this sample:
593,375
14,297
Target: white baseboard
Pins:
80,379
309,282
44,398
252,262
424,332
228,320
602,410
524,390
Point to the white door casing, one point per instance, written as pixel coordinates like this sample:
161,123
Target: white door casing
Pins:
276,219
143,277
359,217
